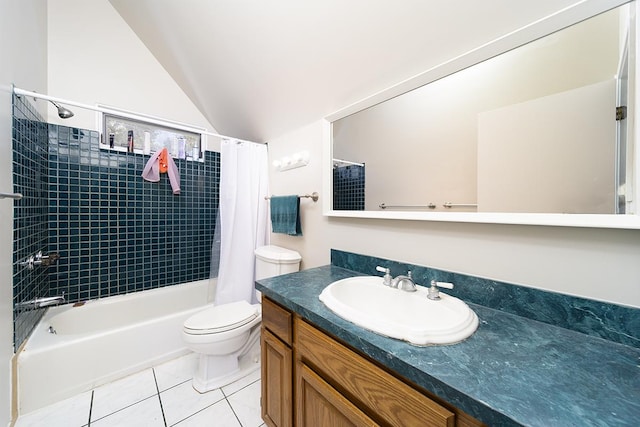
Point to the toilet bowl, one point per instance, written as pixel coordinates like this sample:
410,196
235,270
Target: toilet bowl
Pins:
227,337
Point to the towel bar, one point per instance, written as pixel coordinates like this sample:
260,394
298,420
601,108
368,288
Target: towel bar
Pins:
313,196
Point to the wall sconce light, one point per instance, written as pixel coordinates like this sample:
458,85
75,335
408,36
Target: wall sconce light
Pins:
291,162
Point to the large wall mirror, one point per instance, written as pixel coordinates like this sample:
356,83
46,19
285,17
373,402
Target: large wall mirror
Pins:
541,132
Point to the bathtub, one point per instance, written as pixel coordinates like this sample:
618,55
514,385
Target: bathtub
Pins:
103,340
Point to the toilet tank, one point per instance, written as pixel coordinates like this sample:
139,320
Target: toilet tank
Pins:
274,261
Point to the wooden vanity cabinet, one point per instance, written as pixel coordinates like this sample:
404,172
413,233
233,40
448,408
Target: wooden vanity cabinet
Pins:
276,339
386,399
332,385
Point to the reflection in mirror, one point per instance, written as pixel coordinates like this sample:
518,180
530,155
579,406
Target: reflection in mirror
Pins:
532,130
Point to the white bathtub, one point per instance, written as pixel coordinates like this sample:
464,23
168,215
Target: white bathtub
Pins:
103,340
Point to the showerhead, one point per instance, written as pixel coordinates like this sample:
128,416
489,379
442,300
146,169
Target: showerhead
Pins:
63,113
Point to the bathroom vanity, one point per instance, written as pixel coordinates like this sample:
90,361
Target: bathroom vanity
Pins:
319,369
334,384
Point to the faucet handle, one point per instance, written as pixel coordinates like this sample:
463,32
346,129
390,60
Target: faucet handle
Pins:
447,285
386,280
434,292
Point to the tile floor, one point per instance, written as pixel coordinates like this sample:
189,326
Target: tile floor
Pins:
161,396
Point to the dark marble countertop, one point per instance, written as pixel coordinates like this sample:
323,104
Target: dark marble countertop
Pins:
512,371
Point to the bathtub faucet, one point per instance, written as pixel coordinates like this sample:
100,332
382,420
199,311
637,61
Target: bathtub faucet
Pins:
41,302
40,259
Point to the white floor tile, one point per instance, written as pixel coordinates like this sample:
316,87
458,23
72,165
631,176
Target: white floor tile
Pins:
176,371
246,405
67,413
182,401
122,393
133,401
143,414
219,415
228,390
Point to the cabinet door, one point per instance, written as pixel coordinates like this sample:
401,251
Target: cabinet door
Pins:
382,395
319,404
277,381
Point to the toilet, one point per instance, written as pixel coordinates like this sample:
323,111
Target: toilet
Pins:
227,337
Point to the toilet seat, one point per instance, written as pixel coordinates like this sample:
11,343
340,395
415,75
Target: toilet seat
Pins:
221,318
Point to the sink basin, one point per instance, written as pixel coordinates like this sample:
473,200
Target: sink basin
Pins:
408,316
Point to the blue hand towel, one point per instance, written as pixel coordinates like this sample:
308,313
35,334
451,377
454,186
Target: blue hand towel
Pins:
285,215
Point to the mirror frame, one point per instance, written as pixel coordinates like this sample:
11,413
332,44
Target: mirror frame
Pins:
545,26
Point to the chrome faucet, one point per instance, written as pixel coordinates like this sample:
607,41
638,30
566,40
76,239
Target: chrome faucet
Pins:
40,259
41,302
404,283
47,301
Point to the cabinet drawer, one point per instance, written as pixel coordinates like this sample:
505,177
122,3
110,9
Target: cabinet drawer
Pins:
378,393
278,320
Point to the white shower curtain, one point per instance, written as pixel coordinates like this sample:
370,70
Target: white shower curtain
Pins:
243,218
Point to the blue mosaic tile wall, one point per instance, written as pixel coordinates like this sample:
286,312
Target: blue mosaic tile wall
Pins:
348,188
608,321
30,218
117,233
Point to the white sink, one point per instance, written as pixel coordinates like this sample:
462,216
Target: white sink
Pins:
395,313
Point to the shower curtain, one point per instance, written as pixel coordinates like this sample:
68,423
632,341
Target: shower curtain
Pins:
243,218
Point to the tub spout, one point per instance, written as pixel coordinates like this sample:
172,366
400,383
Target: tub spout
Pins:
45,302
41,302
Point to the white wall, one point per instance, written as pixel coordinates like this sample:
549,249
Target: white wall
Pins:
551,154
314,243
23,47
599,264
95,57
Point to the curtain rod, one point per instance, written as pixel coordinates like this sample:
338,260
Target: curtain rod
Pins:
347,162
124,113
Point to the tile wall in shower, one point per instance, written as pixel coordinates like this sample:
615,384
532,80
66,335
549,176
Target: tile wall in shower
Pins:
117,233
30,215
348,187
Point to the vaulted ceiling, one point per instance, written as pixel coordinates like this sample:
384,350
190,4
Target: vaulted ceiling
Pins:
259,68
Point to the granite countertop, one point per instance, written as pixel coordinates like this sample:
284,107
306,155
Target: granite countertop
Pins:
512,371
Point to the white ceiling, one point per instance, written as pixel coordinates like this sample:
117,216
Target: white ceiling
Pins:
257,69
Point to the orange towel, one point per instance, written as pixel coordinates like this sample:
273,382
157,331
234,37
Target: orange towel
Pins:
162,160
159,162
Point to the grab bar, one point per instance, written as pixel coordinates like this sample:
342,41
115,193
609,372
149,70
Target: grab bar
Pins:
385,206
15,196
447,205
459,205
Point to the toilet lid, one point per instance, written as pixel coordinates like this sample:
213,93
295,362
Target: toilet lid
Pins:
221,318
